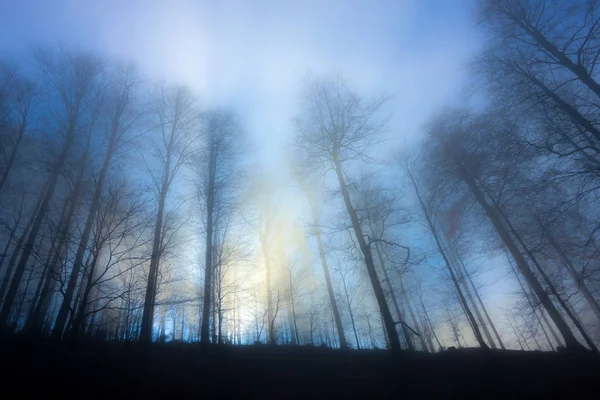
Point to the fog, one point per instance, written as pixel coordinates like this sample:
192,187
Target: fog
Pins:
387,174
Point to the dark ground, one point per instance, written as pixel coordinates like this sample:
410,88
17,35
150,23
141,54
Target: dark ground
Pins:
32,367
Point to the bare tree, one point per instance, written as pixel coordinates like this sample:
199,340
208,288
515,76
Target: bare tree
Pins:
119,242
219,160
172,144
314,212
466,161
336,127
17,98
72,78
122,114
429,207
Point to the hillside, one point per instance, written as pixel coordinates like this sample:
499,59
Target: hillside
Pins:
94,369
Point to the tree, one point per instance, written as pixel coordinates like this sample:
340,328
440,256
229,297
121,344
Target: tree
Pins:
173,142
17,102
335,128
314,212
463,159
429,209
118,245
220,174
122,114
73,79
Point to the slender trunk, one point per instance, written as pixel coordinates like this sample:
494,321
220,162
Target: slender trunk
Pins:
87,287
289,312
214,308
15,322
466,273
37,224
412,314
548,282
331,294
295,337
428,320
522,265
13,259
53,268
512,326
183,322
19,246
146,329
453,255
388,321
10,239
270,334
220,326
579,281
386,278
570,110
577,69
426,332
13,153
459,292
349,304
40,294
208,260
65,307
528,296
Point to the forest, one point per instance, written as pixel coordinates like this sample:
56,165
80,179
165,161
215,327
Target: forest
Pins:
131,210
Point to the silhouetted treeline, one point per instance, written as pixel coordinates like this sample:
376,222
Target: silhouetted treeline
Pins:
132,210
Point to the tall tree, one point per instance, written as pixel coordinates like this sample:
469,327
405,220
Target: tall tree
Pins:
173,142
428,208
72,80
308,192
219,174
335,128
465,157
122,114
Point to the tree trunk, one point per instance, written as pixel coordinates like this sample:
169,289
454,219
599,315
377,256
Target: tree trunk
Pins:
459,292
412,314
38,314
13,257
295,337
577,69
330,292
386,315
570,340
573,272
46,197
289,312
65,307
528,296
208,260
146,329
483,307
14,151
87,284
405,332
453,255
428,320
548,282
270,334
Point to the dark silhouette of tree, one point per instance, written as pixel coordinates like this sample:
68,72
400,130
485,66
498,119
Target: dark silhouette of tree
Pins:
173,142
334,129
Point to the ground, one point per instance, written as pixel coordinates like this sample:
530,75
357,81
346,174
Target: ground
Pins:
93,369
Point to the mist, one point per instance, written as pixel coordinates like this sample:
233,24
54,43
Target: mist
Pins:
402,177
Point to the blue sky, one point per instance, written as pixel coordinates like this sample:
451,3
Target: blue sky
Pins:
252,55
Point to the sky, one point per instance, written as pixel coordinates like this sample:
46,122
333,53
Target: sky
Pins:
253,55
